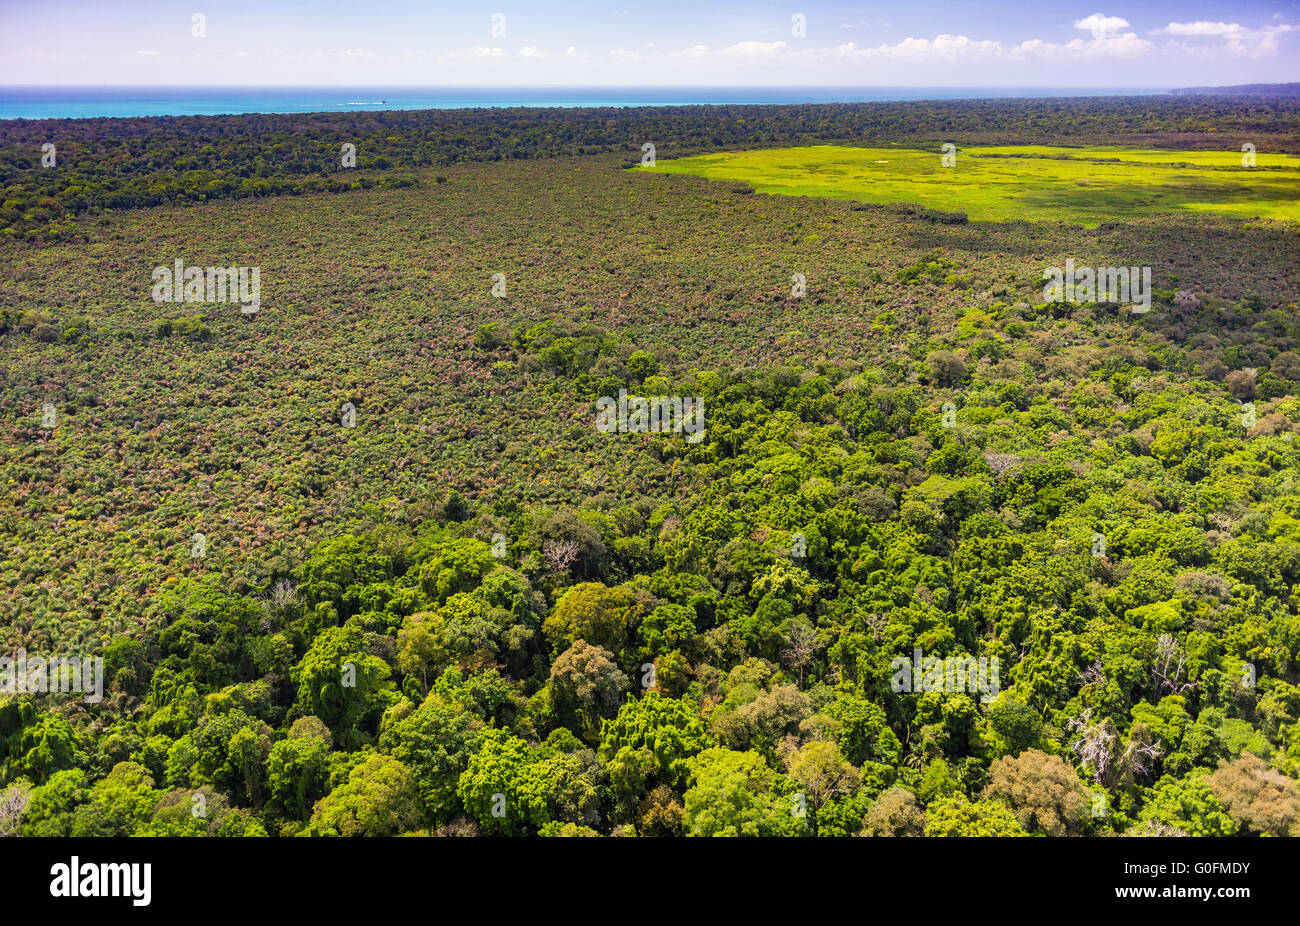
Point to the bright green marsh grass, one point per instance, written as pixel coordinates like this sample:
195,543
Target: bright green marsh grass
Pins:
1088,185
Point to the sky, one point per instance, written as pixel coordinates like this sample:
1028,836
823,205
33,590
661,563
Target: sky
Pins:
920,43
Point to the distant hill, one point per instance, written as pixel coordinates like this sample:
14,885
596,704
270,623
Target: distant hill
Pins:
1270,90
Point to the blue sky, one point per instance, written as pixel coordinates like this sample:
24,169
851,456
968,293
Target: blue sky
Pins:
1044,43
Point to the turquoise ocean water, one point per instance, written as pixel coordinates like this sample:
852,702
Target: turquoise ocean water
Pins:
84,102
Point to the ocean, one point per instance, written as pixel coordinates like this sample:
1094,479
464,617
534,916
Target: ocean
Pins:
85,102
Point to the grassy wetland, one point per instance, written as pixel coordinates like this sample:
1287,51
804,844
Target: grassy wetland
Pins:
1087,184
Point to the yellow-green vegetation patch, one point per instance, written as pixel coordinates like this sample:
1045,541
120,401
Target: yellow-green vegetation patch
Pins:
1088,185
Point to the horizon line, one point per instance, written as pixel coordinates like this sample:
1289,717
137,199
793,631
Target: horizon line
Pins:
604,86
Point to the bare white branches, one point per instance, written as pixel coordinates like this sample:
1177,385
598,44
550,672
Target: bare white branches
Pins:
1169,665
1113,762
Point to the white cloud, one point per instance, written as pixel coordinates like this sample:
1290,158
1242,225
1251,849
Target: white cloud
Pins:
1237,39
344,53
953,47
1110,40
739,50
1200,27
1101,25
1251,45
753,48
477,52
531,51
950,46
941,47
1123,45
148,53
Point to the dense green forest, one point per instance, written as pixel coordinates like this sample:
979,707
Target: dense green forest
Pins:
468,611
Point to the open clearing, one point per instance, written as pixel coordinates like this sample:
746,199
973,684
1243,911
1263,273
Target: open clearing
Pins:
1087,185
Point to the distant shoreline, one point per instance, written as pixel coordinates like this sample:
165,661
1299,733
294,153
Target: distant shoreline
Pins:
80,102
1268,91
